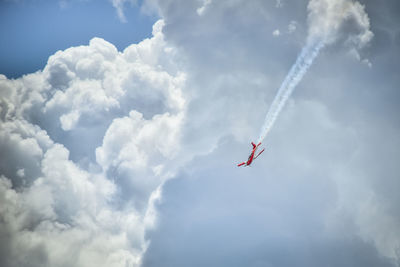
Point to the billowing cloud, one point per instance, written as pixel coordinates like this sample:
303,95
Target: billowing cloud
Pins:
85,146
308,182
339,20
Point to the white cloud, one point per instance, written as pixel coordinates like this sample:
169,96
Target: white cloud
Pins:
292,26
119,6
343,20
230,98
276,33
130,106
200,11
141,152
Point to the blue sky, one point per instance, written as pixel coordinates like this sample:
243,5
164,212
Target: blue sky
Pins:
33,30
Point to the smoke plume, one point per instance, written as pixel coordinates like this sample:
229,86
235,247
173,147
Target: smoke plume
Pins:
329,21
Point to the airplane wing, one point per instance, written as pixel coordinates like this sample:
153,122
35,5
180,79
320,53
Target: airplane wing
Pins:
259,153
240,164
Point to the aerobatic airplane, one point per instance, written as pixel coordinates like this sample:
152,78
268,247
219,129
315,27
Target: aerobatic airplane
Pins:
251,157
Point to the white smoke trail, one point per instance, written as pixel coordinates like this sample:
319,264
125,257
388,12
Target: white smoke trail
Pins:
296,73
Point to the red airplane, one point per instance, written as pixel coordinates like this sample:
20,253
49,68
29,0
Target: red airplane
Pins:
251,157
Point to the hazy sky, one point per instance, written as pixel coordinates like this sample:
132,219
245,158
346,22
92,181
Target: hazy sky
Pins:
119,137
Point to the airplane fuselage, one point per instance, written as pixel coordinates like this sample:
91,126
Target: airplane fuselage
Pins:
251,157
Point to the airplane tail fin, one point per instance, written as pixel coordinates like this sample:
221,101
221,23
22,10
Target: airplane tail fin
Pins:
241,164
254,145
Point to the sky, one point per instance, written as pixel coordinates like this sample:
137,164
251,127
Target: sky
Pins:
122,123
32,30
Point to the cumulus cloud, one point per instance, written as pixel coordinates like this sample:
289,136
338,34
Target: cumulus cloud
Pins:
343,20
86,145
305,183
22,148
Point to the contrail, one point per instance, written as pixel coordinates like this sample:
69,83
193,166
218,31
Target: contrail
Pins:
296,73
